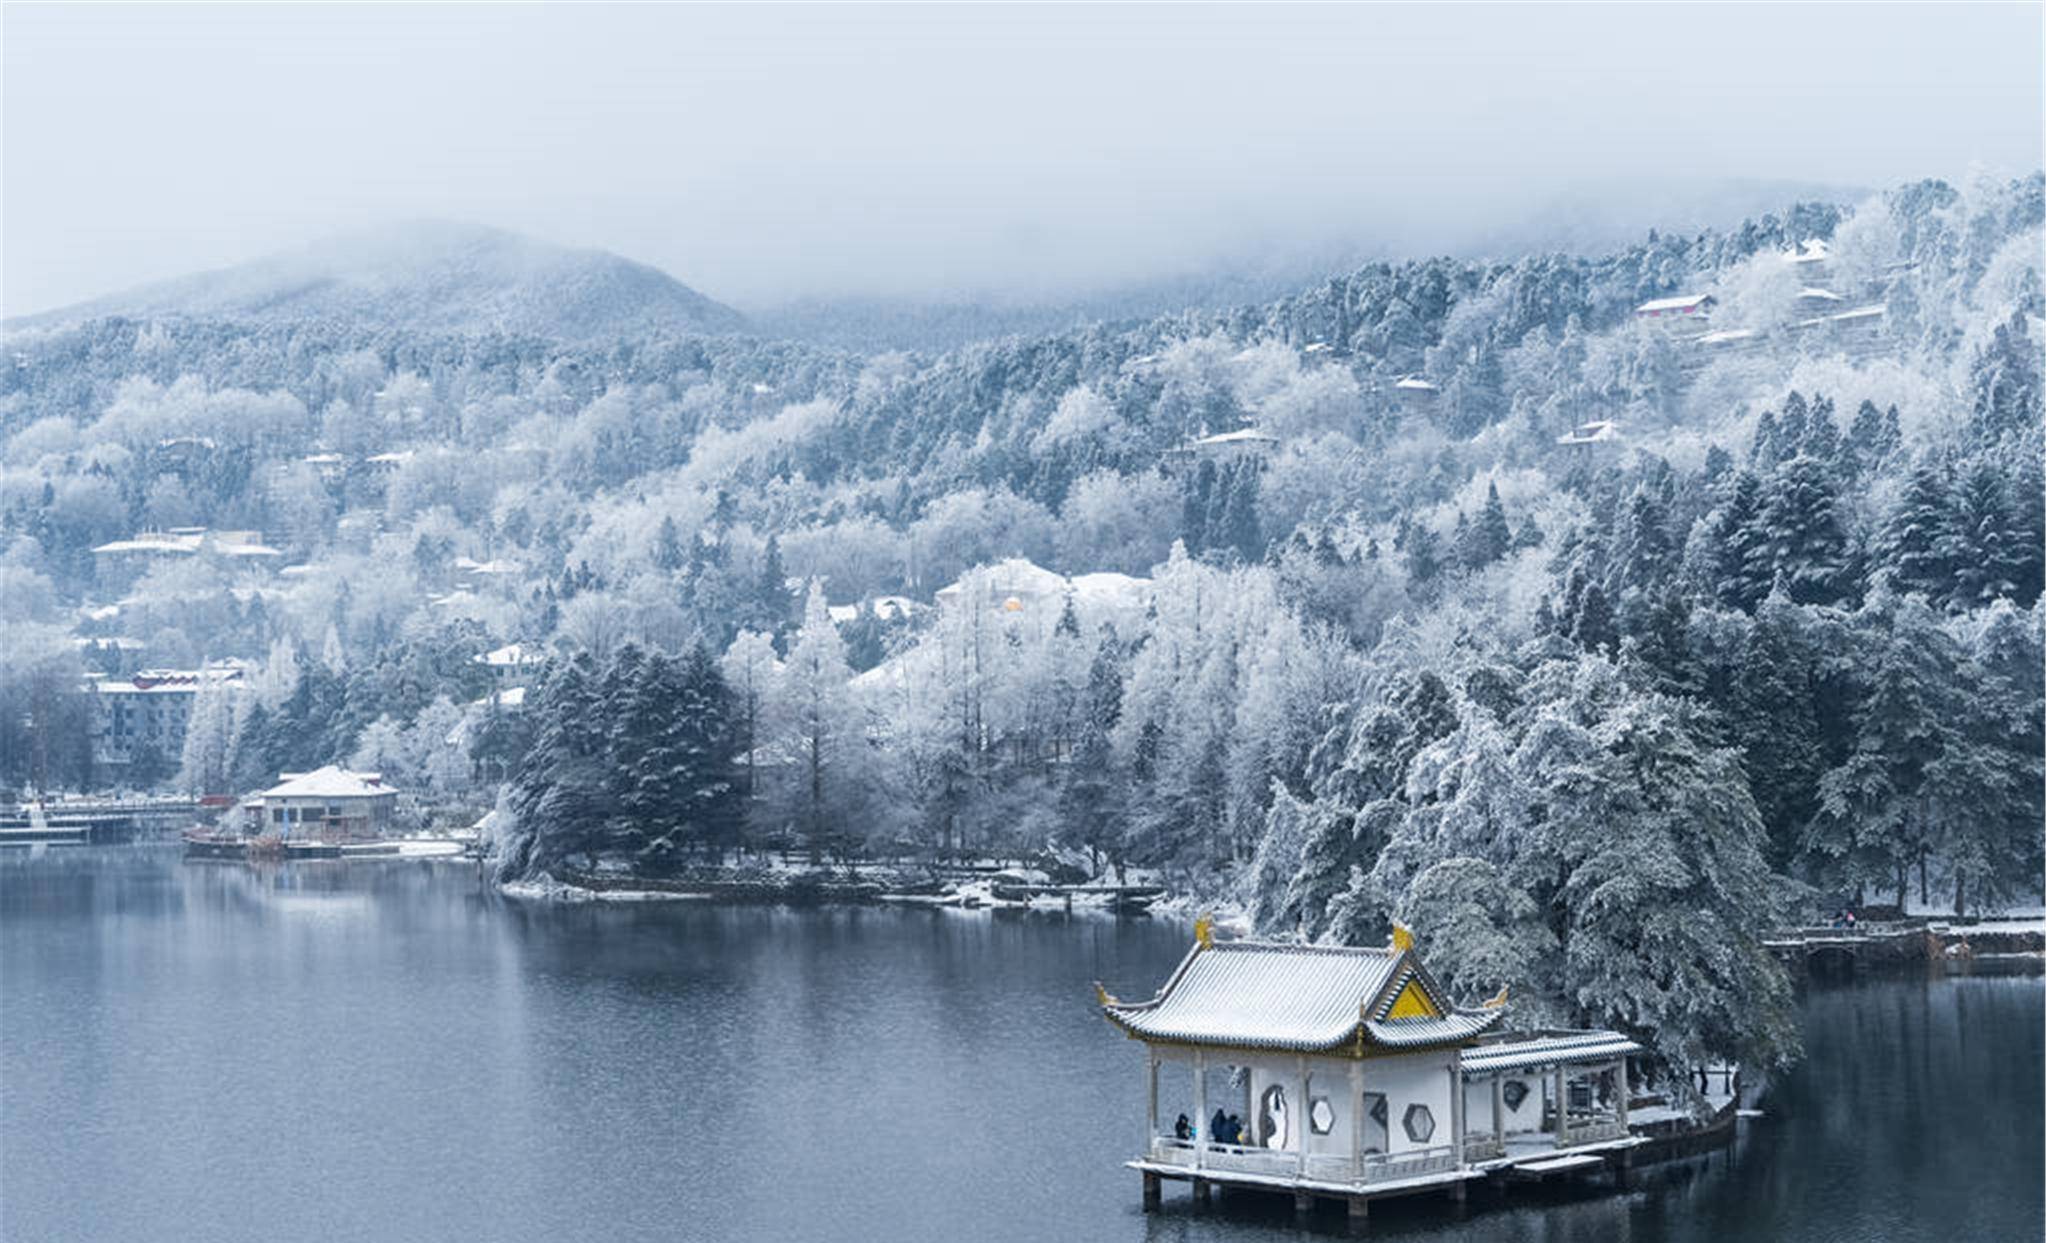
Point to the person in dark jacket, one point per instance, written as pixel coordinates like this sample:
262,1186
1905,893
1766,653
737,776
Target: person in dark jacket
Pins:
1218,1127
1182,1129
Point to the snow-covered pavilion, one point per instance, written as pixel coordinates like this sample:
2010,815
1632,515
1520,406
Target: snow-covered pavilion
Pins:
1347,1073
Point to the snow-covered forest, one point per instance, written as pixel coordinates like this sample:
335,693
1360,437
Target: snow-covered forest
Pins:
1585,645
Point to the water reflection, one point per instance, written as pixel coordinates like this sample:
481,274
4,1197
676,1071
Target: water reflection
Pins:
381,1050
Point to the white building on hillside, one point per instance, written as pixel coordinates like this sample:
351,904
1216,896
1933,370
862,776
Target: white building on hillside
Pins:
513,663
1686,313
148,711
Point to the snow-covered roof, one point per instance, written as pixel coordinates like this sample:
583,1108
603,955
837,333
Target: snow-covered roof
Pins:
1317,347
1811,250
171,681
1415,384
1241,436
469,566
1112,590
153,541
1812,293
1685,304
1858,314
329,782
1514,1052
1017,577
1591,433
398,458
1310,998
1727,336
511,655
323,459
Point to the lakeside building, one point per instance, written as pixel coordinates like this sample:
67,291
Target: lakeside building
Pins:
150,710
329,804
1347,1073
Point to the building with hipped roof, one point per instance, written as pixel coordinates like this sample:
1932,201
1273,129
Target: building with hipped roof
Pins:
1347,1073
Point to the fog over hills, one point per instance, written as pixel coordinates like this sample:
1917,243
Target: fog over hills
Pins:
430,275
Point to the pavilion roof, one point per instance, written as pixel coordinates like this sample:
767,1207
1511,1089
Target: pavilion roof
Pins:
1307,998
1513,1053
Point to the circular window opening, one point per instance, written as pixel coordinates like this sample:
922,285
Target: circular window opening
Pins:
1419,1123
1321,1116
1514,1093
1271,1117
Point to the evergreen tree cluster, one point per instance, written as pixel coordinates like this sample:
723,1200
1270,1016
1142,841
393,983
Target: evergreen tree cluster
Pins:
635,760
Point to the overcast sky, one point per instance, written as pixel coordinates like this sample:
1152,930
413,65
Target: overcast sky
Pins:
768,152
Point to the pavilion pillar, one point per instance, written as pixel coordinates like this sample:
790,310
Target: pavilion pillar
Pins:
1151,1127
1154,1192
1305,1114
1562,1105
1456,1110
1620,1091
1360,1214
1356,1129
1201,1136
1499,1109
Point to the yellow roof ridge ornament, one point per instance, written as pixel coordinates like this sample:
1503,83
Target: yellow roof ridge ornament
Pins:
1497,1001
1204,931
1402,937
1103,996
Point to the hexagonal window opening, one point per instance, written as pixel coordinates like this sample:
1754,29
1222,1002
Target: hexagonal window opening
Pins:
1514,1092
1321,1116
1419,1123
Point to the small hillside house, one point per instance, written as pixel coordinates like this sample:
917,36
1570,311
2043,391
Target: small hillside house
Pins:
1685,314
1346,1073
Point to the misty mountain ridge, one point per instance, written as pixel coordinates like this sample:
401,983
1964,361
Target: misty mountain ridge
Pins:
429,275
465,278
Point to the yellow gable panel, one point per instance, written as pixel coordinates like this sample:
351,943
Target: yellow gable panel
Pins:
1412,1003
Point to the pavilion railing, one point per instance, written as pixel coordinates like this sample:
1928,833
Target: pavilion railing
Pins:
1384,1167
1317,1167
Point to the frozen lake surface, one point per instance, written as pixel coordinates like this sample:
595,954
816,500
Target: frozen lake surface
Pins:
382,1051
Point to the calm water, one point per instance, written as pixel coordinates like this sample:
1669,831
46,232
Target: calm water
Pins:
379,1051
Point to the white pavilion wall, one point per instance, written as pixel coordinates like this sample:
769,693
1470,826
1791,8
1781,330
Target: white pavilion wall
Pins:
1414,1079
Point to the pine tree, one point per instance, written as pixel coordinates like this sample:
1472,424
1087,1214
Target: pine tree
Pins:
1804,539
1985,542
1745,566
1491,536
1422,556
1774,726
558,793
1595,629
668,554
1914,544
772,593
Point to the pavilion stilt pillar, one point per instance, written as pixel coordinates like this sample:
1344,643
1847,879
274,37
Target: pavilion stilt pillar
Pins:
1623,1169
1154,1193
1303,1204
1360,1214
1203,1192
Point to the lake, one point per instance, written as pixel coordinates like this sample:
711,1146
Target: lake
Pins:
387,1051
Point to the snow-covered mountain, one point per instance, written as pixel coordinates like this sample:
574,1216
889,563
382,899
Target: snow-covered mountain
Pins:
435,276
